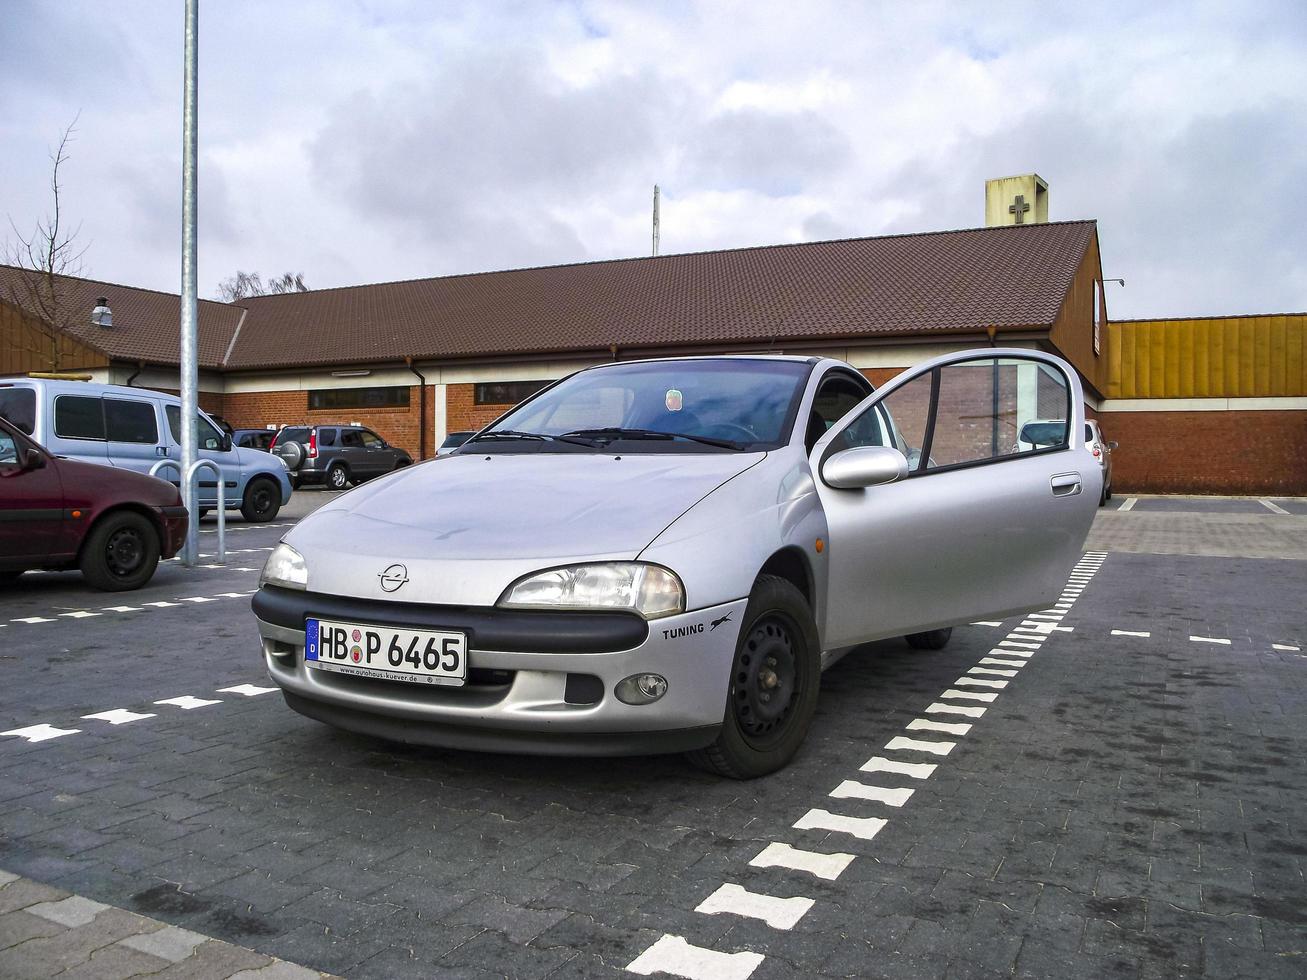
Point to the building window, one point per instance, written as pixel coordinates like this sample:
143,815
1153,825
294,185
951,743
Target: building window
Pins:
507,392
332,398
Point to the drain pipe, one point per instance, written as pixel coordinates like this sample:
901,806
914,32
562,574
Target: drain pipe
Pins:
422,408
140,366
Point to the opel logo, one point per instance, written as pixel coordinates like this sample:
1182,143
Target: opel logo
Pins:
393,578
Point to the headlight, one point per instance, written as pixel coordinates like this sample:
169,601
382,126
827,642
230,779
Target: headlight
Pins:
650,590
285,567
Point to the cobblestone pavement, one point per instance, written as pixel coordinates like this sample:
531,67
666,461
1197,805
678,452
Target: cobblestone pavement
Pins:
1121,795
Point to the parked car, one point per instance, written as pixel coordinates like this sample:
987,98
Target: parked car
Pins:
453,441
655,556
1102,451
336,455
260,439
134,428
56,513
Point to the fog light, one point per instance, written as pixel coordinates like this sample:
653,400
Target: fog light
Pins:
641,689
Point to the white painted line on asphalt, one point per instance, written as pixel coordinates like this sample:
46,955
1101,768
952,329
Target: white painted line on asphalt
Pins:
970,695
980,681
80,614
851,789
1044,615
1209,639
1287,647
161,605
672,954
188,703
966,710
122,609
917,770
234,595
947,727
1145,634
1043,629
249,690
985,622
1019,645
996,662
1015,650
197,598
992,671
41,733
32,619
778,855
118,716
1273,508
900,742
1128,505
779,913
864,828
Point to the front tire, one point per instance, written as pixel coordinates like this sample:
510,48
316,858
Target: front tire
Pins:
930,640
775,678
121,552
262,501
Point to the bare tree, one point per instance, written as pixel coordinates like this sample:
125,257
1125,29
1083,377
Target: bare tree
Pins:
42,257
251,284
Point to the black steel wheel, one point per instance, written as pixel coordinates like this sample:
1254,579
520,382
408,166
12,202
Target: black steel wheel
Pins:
121,552
773,686
262,500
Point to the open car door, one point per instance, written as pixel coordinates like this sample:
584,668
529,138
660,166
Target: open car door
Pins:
962,489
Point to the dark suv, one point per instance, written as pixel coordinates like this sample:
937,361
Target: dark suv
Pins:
336,455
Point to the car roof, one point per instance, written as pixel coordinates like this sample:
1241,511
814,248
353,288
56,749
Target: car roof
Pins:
60,386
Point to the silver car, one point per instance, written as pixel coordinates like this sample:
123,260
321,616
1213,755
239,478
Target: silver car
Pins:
1101,449
661,556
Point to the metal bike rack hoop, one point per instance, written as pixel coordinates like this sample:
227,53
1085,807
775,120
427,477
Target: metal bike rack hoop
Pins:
191,552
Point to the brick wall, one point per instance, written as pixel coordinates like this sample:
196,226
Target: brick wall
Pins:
1208,452
462,414
398,426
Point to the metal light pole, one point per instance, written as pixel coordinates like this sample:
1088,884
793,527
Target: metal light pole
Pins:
189,305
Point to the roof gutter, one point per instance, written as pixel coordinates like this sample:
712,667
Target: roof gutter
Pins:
422,408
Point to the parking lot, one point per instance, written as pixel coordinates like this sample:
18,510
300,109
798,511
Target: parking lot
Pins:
1114,787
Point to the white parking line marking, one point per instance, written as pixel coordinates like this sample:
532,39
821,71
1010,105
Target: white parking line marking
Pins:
917,770
864,828
1043,629
995,661
917,745
41,733
80,614
122,609
188,703
672,954
1273,508
986,622
1208,639
980,681
249,690
947,727
118,716
779,913
966,710
969,695
1015,650
161,605
1018,645
991,670
851,789
1288,647
1044,615
778,855
1145,633
32,620
197,598
233,595
1128,505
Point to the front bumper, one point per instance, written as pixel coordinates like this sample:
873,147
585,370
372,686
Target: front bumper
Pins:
539,682
174,521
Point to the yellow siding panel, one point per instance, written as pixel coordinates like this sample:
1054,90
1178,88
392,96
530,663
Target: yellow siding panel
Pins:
1210,357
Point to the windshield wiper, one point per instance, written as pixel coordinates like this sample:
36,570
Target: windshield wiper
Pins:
617,432
510,434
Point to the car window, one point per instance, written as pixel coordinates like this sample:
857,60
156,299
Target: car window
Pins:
326,437
18,405
207,435
295,434
1089,432
351,439
8,449
78,417
837,395
127,420
371,440
456,439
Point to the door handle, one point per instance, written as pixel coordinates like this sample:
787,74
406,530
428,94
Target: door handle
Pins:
161,450
1065,484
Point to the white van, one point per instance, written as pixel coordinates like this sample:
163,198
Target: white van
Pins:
134,428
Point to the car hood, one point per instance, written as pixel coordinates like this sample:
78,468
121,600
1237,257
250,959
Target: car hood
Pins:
466,526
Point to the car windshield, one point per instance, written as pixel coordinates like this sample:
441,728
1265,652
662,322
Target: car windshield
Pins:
691,405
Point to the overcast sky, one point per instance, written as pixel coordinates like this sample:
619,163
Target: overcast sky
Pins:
359,141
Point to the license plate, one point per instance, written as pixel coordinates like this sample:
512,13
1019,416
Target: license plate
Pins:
415,656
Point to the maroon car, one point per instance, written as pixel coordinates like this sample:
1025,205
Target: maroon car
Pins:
55,513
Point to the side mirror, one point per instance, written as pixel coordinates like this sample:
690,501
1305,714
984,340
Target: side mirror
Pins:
224,443
29,459
864,466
